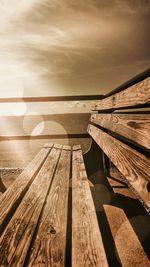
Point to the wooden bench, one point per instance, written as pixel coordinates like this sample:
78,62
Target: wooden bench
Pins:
120,125
53,194
34,213
125,137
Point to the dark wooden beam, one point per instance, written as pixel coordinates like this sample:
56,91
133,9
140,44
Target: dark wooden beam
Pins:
43,136
50,98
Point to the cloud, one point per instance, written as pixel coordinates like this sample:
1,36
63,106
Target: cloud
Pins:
73,46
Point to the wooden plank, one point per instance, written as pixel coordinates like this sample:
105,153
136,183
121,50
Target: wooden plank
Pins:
128,246
76,147
48,248
58,146
135,95
17,190
15,241
87,244
134,166
135,127
48,145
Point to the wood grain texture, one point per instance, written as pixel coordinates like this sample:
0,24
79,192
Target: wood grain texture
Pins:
135,127
15,241
87,245
135,95
128,246
134,166
9,199
48,248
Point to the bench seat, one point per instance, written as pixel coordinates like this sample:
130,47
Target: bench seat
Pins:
34,213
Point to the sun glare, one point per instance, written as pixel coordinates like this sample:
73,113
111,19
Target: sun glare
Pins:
12,109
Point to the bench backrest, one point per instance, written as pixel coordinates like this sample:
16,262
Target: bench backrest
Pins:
120,125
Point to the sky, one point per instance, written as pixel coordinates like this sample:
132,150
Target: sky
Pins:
71,47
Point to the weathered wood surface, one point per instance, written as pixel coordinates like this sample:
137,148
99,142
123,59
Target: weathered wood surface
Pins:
128,246
48,248
15,241
16,191
135,95
133,165
135,127
87,245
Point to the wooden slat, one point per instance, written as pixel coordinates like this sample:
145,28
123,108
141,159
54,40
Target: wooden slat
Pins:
48,145
87,245
133,165
16,191
15,241
135,127
128,246
48,248
77,147
135,95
